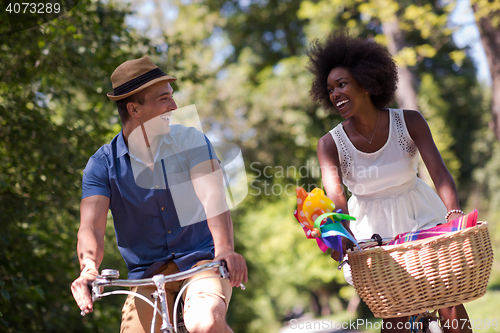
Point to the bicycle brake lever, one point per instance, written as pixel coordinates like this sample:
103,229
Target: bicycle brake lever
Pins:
342,263
224,273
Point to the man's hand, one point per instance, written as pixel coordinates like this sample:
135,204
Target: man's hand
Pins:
236,265
81,292
93,211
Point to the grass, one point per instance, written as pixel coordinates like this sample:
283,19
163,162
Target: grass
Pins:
485,312
368,325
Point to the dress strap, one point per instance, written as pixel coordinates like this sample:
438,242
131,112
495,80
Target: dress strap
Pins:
404,139
344,156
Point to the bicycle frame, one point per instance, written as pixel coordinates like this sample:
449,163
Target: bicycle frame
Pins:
110,278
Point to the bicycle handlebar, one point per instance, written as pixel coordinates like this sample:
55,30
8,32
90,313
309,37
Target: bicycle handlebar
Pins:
365,244
110,278
107,281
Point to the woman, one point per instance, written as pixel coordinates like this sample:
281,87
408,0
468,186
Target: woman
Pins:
374,151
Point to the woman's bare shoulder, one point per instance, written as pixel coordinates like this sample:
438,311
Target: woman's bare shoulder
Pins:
415,123
326,143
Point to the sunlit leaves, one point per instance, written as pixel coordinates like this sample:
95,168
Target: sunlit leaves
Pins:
407,56
426,20
51,120
458,57
383,9
484,8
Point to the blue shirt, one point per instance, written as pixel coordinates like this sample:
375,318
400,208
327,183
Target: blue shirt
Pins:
147,226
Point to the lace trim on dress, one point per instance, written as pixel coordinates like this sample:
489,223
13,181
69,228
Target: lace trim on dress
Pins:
345,163
407,146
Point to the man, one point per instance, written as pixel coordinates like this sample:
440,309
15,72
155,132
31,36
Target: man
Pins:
151,237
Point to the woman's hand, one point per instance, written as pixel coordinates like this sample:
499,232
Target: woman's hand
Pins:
454,216
346,244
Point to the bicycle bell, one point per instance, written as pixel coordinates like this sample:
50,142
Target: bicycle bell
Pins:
110,273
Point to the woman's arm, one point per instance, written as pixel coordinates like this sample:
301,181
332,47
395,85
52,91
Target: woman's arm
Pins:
330,172
443,181
332,180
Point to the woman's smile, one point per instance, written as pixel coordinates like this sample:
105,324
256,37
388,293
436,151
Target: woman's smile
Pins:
345,93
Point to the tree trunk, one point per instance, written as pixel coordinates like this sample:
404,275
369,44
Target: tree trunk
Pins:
320,303
352,307
406,95
315,304
490,38
324,299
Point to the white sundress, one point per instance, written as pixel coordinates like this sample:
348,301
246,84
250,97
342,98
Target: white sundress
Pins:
387,196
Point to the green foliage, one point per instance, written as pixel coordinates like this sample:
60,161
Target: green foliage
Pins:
487,8
263,93
448,93
33,191
244,66
53,116
271,28
284,265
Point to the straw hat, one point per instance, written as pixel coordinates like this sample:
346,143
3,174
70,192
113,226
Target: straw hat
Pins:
133,76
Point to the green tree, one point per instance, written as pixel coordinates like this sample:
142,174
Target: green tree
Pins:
259,100
244,66
419,38
487,13
53,115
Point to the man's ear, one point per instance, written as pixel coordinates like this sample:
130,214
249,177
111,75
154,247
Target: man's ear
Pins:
132,110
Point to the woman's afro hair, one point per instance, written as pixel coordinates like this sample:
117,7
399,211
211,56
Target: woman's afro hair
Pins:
369,63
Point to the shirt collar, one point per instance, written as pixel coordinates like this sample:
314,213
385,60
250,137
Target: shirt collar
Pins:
166,140
122,148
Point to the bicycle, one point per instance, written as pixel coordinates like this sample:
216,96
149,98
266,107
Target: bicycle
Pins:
110,277
426,322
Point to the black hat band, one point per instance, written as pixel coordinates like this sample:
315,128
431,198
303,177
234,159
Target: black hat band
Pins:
138,81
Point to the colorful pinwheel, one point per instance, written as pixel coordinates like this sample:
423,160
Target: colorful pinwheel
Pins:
318,218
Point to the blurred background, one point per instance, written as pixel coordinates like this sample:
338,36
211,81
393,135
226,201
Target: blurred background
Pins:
244,64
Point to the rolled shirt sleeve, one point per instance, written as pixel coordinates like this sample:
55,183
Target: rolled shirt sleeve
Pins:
95,177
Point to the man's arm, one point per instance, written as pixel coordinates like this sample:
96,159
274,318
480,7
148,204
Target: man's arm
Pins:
93,216
208,184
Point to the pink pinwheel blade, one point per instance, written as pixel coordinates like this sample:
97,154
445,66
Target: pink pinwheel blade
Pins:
321,245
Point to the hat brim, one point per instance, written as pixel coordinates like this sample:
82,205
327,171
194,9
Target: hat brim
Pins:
114,97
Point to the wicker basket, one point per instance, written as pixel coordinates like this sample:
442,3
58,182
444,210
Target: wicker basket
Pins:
423,275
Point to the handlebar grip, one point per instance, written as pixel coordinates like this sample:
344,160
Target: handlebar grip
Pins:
90,285
224,272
